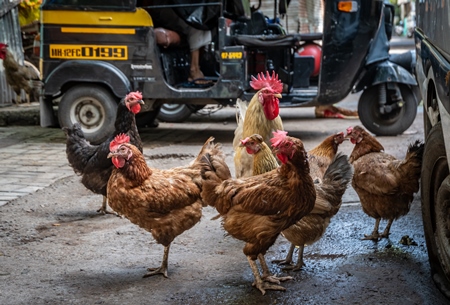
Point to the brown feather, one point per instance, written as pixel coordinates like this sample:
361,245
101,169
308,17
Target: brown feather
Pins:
384,184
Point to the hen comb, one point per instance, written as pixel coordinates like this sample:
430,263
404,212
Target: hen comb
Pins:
349,130
278,137
3,45
267,81
119,139
244,141
134,95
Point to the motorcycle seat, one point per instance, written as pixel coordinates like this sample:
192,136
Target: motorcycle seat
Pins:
268,41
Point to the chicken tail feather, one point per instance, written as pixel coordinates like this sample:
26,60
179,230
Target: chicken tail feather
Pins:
411,167
241,109
337,176
214,170
75,144
415,151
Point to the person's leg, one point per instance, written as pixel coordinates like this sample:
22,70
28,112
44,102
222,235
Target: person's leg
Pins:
195,72
197,39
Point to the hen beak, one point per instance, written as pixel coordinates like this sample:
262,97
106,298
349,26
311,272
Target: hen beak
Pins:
278,95
110,155
141,102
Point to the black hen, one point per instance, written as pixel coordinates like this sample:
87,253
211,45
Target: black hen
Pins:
90,161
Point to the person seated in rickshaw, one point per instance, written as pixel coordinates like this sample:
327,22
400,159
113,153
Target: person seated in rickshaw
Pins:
197,38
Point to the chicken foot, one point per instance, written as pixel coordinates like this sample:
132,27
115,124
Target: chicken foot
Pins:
104,209
375,235
163,268
259,283
300,262
269,277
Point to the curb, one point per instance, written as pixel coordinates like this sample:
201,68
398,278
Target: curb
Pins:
23,115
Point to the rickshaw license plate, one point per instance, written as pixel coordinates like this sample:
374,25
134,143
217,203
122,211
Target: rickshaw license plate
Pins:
88,52
231,55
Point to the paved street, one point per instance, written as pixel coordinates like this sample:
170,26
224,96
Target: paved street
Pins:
32,158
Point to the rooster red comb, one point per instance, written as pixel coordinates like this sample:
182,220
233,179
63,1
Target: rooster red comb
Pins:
3,45
119,139
134,95
278,137
267,81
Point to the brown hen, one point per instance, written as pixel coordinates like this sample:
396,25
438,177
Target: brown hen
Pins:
329,192
257,209
385,185
164,202
19,77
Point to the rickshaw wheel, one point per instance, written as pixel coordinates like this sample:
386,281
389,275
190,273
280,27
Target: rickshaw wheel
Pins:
93,107
387,124
177,113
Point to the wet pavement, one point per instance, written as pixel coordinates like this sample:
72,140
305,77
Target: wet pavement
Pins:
55,249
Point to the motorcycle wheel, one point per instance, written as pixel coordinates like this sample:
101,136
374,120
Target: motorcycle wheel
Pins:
435,192
387,124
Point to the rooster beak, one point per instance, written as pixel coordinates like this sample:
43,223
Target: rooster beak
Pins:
278,95
141,102
110,155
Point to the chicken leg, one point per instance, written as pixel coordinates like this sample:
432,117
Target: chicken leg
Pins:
375,235
288,259
386,233
259,283
104,209
269,277
163,268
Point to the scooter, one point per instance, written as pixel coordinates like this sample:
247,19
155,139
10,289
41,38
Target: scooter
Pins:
388,104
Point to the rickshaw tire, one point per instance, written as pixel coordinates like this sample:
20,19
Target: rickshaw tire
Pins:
390,124
93,106
175,113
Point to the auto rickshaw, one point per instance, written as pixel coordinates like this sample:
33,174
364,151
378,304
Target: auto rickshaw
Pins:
94,52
